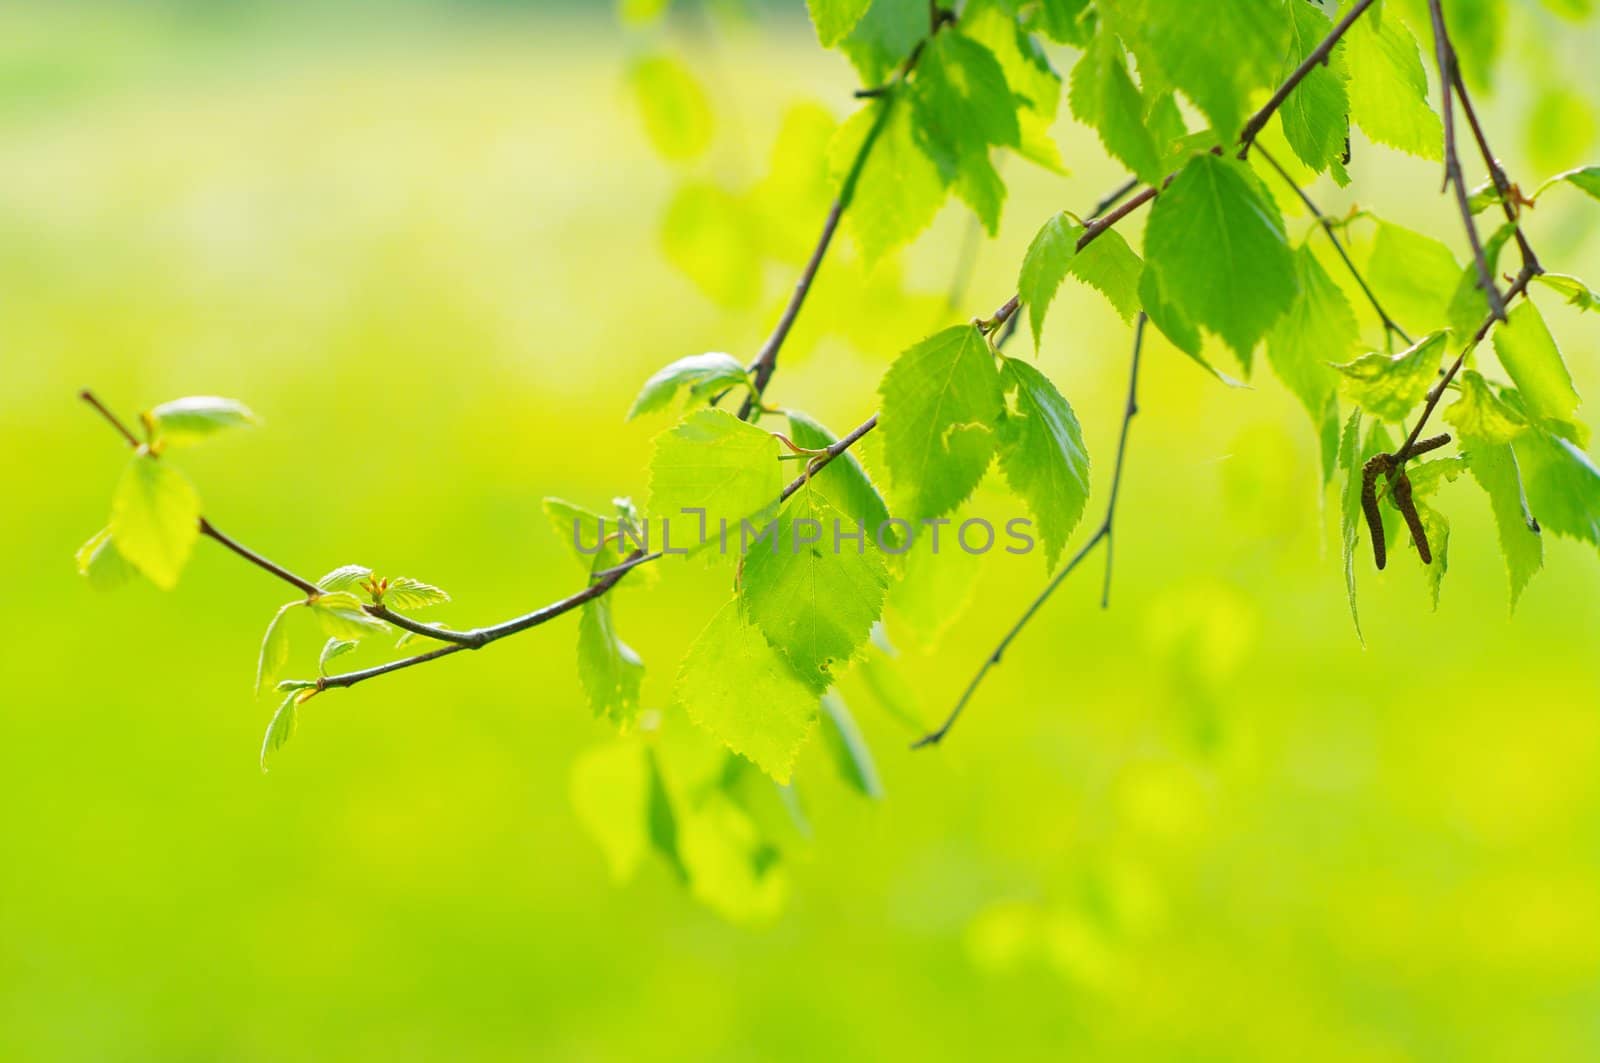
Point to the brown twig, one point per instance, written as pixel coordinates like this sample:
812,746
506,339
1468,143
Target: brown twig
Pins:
1317,56
1101,534
1445,55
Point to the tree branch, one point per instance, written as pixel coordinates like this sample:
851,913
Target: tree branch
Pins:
1389,324
1445,55
1410,449
1318,56
766,360
208,529
1101,534
1497,173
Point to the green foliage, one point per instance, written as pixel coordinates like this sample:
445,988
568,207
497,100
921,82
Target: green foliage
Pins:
155,518
1586,178
101,563
609,669
1389,89
282,726
1042,454
701,374
405,594
713,461
677,115
342,617
834,19
1414,274
274,649
940,399
183,422
814,596
735,685
1388,386
1316,116
1318,330
1572,289
1529,353
851,757
1107,264
843,481
1216,246
1103,96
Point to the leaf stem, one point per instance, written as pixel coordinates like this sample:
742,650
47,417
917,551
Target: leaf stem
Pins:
1497,173
1101,534
211,531
112,419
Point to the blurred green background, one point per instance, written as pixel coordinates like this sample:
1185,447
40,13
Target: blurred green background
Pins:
423,243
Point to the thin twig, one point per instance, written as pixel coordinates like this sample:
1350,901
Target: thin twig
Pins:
1318,55
1497,173
1444,54
1101,534
766,359
1389,324
208,529
1409,449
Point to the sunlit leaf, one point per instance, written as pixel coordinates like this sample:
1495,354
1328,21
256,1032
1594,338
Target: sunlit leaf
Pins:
102,563
1389,386
700,373
155,518
189,420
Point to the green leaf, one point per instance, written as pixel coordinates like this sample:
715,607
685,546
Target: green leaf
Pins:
1389,89
575,525
1415,274
962,106
189,420
1350,517
834,19
884,37
1064,21
1437,529
101,563
341,615
1316,116
1043,456
713,461
843,480
1217,245
1480,415
1107,264
335,648
815,597
1388,386
1576,292
1219,60
344,577
898,189
274,649
736,686
1563,484
848,749
281,729
677,115
1529,353
1318,329
700,373
1586,178
1022,60
641,12
155,518
405,593
1103,96
1045,266
1494,467
610,671
939,400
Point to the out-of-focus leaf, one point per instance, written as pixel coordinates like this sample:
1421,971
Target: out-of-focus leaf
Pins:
155,518
101,563
677,115
852,758
700,373
189,420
